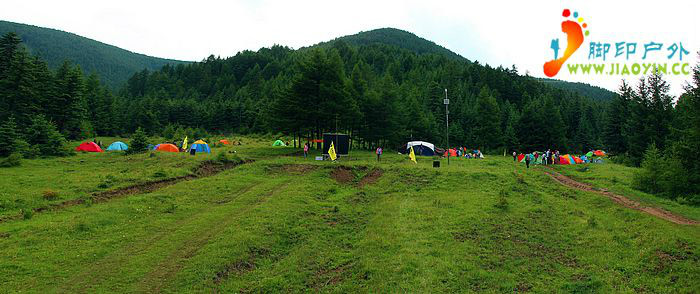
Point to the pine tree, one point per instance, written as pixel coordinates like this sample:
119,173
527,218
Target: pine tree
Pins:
43,134
617,113
488,122
139,142
8,135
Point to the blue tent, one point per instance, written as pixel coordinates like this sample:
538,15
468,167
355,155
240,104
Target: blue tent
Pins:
200,146
117,146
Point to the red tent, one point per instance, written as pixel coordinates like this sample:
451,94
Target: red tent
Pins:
88,147
224,141
521,157
599,153
453,152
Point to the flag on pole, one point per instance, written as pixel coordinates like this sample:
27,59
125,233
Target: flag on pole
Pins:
412,156
184,143
331,151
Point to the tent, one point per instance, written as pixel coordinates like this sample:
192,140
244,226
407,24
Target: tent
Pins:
577,159
589,154
453,152
567,159
420,148
200,146
225,142
88,147
278,143
599,153
166,148
117,146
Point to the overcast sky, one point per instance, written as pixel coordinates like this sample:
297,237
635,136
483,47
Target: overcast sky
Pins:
493,32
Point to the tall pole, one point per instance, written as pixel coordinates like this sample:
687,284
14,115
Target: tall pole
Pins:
447,125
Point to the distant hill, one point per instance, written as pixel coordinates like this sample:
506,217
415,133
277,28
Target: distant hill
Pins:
113,64
394,37
587,90
409,41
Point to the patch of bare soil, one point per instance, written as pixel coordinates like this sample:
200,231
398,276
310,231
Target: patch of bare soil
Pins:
622,200
295,168
242,266
343,175
206,169
370,178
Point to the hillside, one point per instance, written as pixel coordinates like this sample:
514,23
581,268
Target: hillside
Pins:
394,37
113,64
581,88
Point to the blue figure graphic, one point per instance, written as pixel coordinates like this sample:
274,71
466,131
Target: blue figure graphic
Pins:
555,47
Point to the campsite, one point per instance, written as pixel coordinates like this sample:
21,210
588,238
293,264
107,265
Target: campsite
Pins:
337,147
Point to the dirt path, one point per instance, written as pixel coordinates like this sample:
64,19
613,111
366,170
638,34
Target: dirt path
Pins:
171,265
206,169
622,200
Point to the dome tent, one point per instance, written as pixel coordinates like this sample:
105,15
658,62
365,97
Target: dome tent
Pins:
117,146
166,148
420,148
200,146
88,147
278,143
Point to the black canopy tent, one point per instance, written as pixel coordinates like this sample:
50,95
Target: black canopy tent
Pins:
341,142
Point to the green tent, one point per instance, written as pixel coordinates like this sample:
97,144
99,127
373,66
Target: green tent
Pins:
589,154
278,143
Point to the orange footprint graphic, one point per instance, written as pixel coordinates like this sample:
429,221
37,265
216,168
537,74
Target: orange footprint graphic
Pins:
574,39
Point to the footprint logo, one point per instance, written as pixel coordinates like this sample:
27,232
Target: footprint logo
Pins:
573,27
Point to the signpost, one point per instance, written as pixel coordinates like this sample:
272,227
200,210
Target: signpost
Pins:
447,125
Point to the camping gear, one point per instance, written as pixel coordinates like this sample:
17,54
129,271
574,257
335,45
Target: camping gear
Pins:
200,146
88,147
420,148
166,148
117,146
278,143
589,154
452,153
225,142
521,157
341,142
599,153
577,159
566,159
436,163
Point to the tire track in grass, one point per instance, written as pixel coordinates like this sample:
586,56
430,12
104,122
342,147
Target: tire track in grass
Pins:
154,281
206,169
104,268
619,199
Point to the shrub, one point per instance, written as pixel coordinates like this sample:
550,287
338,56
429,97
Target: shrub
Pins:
139,142
43,134
15,159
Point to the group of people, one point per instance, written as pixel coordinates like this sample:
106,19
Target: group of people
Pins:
548,157
464,152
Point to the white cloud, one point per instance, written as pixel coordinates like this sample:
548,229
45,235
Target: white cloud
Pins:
494,32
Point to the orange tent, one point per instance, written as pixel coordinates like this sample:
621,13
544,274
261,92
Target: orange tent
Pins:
167,148
88,147
599,153
577,159
224,141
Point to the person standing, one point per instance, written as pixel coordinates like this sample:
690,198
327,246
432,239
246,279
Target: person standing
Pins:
515,156
379,153
528,157
306,150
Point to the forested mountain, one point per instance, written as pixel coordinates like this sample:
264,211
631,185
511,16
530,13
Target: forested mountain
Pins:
393,37
114,65
581,88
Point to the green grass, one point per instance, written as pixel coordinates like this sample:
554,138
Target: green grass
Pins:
618,178
282,224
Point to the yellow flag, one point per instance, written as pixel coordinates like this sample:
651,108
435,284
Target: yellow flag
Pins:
331,151
184,143
412,156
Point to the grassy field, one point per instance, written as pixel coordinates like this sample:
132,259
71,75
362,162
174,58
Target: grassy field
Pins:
282,224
